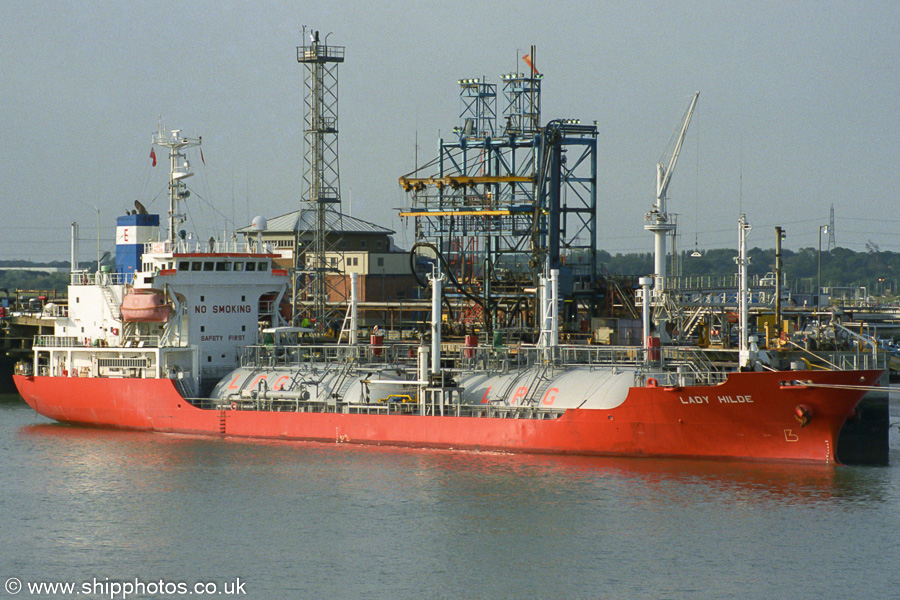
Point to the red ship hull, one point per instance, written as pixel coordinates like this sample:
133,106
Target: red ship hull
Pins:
751,416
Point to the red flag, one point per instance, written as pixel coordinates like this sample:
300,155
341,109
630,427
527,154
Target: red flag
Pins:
153,156
201,157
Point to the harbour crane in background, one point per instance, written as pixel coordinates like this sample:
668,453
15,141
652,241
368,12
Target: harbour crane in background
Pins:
658,219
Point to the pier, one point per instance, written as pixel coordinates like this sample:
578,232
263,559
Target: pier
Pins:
24,314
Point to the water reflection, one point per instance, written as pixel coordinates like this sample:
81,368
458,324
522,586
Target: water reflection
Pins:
342,520
173,462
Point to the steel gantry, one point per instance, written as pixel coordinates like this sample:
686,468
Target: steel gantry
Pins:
507,199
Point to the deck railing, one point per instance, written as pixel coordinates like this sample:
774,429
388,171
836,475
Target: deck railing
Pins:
67,341
207,246
669,366
58,341
102,278
494,411
480,358
291,356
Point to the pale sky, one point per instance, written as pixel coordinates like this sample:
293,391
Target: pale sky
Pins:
798,109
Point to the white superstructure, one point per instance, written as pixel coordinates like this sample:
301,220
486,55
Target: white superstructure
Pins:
171,308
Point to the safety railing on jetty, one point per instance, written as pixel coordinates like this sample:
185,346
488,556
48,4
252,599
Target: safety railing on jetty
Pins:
719,282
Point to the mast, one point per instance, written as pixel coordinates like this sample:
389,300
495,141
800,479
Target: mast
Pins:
179,169
779,235
743,262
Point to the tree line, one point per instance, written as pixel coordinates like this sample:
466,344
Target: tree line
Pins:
877,271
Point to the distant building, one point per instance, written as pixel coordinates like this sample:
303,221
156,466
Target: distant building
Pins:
37,269
365,248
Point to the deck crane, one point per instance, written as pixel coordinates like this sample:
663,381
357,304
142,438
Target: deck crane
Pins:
658,219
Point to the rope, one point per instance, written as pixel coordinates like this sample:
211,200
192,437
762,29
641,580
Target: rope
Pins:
798,346
862,388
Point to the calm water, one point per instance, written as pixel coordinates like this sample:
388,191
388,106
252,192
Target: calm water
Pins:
301,520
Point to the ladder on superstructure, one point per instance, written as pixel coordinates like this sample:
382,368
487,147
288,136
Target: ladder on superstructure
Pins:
111,301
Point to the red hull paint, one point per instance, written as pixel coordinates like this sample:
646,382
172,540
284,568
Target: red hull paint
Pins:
715,422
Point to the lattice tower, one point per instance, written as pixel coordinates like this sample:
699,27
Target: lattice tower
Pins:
319,261
831,242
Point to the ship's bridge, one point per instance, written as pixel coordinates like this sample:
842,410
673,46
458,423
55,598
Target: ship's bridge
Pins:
211,246
169,258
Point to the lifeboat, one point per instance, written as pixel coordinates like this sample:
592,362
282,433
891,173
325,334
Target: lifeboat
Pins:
145,307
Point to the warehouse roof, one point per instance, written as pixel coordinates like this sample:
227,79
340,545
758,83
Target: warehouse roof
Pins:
304,220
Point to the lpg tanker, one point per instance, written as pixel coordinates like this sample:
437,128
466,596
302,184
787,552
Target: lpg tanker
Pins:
171,341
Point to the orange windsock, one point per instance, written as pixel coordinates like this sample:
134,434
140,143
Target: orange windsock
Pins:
527,59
